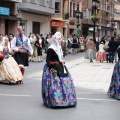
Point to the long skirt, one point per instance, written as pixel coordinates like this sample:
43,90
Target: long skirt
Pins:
75,45
10,71
57,93
21,59
114,89
90,54
101,56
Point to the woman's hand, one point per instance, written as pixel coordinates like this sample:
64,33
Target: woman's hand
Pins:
63,62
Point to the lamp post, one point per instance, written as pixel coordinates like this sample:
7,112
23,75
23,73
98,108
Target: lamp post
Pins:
94,16
112,27
77,13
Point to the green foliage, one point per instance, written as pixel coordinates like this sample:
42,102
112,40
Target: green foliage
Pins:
95,16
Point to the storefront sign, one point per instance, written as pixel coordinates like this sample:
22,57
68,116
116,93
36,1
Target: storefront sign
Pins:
57,23
4,11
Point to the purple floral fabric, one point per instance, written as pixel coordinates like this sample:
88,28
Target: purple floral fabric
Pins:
57,93
114,89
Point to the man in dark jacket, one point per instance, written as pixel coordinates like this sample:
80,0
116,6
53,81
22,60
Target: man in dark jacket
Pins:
112,49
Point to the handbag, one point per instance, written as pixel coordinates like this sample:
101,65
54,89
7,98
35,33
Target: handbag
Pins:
62,71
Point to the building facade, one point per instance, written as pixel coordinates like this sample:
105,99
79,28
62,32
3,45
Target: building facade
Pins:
104,10
116,20
8,16
35,15
64,19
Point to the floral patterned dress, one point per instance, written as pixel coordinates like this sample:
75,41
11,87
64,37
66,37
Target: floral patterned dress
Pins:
58,92
114,89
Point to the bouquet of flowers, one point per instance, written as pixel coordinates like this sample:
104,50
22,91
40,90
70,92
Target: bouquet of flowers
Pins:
54,69
1,57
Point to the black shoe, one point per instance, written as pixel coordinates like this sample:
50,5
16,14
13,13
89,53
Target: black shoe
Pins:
91,60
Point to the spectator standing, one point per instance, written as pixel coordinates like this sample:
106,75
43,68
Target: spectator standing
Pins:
32,42
101,55
112,49
39,44
90,53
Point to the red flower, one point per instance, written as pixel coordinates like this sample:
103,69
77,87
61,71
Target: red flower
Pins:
1,56
53,63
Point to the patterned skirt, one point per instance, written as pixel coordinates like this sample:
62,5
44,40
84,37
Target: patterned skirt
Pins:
90,54
114,89
10,71
57,93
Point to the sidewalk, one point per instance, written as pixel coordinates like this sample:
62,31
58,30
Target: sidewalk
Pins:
94,76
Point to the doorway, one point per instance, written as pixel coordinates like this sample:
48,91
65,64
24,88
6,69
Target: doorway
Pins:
36,27
6,26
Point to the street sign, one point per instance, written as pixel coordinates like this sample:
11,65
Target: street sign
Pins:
4,11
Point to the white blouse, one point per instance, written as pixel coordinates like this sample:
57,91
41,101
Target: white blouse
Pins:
15,48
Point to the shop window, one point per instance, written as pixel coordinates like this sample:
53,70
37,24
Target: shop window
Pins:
57,7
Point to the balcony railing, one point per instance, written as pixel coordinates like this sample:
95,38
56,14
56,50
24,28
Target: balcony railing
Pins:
38,6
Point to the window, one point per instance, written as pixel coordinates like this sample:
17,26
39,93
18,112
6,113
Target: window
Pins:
57,7
89,14
84,14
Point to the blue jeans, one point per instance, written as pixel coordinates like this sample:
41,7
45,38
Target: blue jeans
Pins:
111,56
115,56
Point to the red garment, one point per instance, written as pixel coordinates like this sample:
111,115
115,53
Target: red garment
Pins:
101,56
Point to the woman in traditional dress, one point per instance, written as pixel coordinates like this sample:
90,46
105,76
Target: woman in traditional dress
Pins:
9,69
101,55
90,53
82,44
57,84
32,42
1,40
114,89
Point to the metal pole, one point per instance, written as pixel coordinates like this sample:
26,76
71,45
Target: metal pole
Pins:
94,33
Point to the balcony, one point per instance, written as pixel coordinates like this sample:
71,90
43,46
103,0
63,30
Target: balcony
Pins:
16,1
44,7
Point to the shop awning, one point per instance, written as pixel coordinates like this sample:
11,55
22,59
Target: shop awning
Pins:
105,28
10,18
